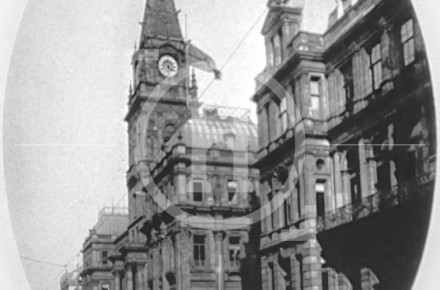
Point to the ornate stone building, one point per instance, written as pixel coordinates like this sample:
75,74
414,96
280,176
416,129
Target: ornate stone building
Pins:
71,280
190,183
99,245
346,147
340,167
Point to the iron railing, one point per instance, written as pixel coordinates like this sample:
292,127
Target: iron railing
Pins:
372,204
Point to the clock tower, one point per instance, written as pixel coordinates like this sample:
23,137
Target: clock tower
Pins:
160,95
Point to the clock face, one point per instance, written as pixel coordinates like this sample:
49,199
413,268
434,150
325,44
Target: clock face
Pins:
168,66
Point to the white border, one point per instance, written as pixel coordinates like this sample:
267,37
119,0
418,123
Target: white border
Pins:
12,275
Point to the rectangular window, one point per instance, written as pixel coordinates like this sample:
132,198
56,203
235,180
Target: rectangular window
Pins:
325,280
270,54
354,171
348,85
198,191
300,271
320,197
284,115
298,198
376,66
277,50
234,252
214,153
199,250
272,212
287,211
407,38
232,191
104,257
315,106
272,276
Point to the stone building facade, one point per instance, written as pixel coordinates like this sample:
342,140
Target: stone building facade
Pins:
71,280
332,189
347,148
190,183
99,246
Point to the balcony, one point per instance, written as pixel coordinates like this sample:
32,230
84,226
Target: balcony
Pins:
375,203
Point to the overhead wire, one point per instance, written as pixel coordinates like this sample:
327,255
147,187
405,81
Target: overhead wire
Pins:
234,52
42,262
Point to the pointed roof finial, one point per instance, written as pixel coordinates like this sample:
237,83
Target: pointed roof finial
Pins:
161,19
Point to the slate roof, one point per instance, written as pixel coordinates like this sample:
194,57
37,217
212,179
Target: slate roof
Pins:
111,222
206,132
160,19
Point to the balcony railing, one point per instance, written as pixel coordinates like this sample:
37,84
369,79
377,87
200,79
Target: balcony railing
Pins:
374,203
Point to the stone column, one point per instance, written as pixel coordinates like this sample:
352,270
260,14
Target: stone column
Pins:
145,273
309,192
279,279
129,277
363,169
220,265
139,276
181,184
346,189
263,127
311,265
117,280
183,265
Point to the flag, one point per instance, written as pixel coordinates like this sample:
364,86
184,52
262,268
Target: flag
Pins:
199,59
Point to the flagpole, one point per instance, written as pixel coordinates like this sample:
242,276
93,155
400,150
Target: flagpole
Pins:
186,60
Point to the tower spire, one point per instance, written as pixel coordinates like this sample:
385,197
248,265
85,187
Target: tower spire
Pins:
160,20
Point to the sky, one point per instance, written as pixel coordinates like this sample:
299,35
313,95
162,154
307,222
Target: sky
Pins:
65,140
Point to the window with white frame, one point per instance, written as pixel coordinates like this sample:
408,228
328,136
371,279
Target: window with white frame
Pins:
199,250
407,38
315,97
198,190
232,191
104,257
277,48
376,66
283,114
270,54
234,252
320,197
